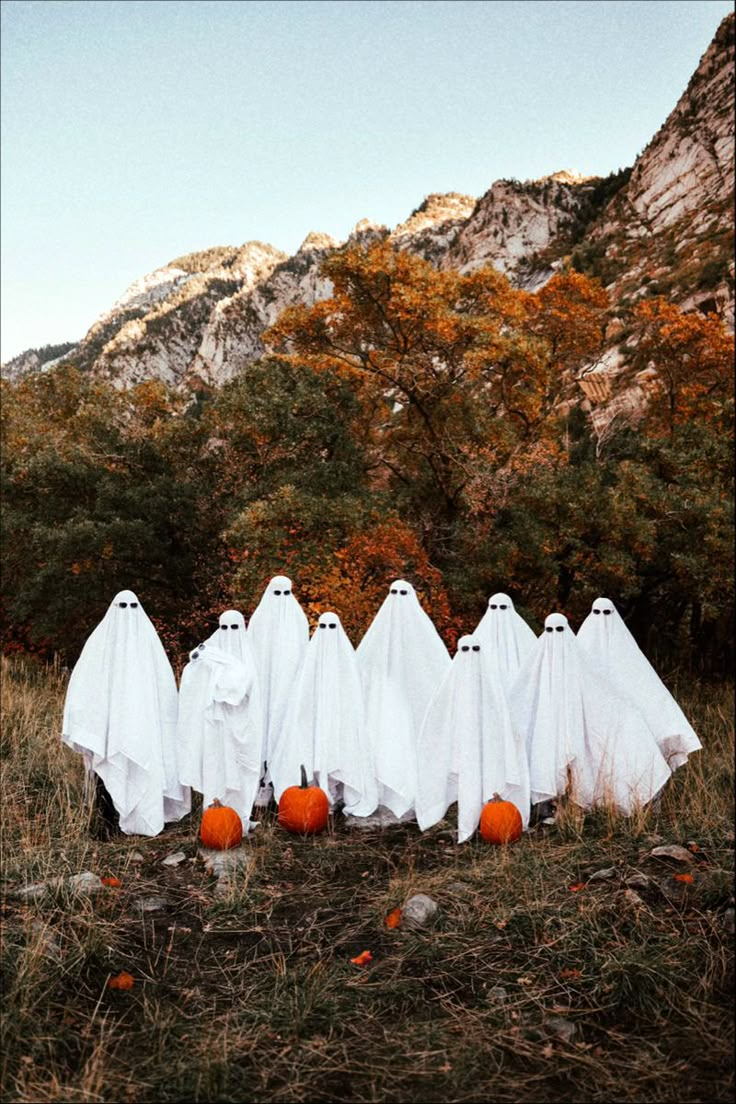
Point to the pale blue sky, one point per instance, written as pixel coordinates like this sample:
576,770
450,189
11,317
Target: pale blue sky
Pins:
137,131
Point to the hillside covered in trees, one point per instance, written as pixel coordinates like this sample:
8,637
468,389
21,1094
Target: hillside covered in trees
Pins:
417,423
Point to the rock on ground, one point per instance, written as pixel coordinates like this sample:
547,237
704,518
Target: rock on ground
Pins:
419,912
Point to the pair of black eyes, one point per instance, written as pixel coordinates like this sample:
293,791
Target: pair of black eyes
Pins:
123,605
226,627
555,628
470,647
499,607
602,611
282,592
331,625
393,591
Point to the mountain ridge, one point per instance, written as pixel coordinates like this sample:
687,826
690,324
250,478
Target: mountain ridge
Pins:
662,226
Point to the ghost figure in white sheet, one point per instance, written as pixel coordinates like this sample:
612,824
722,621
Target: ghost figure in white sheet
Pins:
278,635
401,660
220,730
325,727
570,716
121,712
507,637
468,750
231,636
606,640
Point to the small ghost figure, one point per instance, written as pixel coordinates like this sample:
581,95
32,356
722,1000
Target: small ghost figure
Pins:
220,731
325,726
468,749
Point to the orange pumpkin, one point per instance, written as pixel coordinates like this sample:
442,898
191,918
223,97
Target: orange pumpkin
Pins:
500,821
304,809
221,827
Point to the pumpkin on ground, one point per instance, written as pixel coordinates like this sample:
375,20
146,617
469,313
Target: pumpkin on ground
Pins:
500,821
304,809
221,827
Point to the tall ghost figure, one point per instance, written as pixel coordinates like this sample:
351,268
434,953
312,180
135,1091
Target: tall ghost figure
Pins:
220,731
121,713
401,660
325,726
604,637
571,717
468,750
507,637
278,635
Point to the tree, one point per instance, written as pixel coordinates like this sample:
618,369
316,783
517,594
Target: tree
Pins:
445,366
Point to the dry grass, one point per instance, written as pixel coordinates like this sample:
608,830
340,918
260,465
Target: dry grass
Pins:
252,995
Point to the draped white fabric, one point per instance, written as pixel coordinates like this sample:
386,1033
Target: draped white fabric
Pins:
467,749
231,636
121,714
278,634
606,639
507,637
570,716
401,660
220,729
325,726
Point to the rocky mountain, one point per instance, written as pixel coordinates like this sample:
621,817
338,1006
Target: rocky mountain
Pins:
664,226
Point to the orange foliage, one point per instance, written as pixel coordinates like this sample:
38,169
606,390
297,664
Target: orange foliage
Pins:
357,579
121,981
692,356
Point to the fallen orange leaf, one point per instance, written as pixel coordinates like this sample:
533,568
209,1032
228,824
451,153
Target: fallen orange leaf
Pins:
577,887
121,981
570,973
687,878
393,919
114,882
362,959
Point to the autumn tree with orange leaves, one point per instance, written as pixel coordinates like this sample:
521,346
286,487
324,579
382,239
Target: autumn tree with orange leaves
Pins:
448,367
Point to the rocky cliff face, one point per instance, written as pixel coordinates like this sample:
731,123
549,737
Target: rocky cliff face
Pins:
669,230
663,227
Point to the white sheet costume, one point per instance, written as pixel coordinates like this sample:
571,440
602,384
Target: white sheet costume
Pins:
278,635
121,712
231,636
467,749
607,641
507,637
220,732
570,716
325,727
401,660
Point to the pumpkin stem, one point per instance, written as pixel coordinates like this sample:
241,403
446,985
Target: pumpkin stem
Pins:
216,804
305,784
497,797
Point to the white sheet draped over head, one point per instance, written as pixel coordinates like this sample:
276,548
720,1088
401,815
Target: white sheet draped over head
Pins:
607,641
220,729
278,635
325,728
507,637
401,660
467,749
570,715
230,636
121,713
